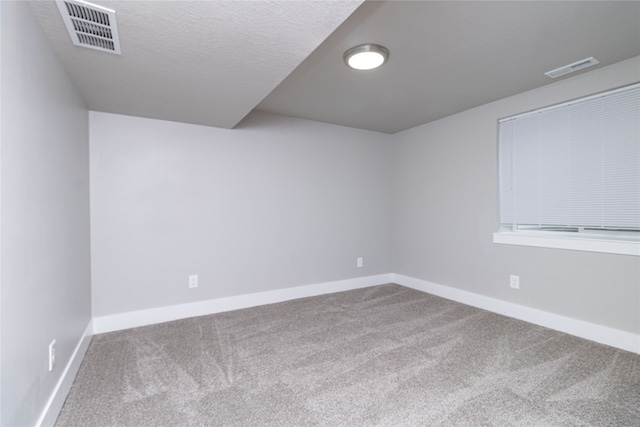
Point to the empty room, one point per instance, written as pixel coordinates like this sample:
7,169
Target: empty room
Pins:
319,213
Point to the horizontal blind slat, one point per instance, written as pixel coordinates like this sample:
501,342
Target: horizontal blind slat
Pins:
575,165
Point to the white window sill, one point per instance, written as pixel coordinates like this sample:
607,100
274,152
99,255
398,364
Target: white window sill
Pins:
553,240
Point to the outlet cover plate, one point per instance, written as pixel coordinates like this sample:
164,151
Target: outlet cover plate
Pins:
52,355
514,281
193,281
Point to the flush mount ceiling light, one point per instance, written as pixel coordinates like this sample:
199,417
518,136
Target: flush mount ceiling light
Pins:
366,56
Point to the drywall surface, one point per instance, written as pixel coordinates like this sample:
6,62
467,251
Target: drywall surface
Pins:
45,217
445,198
275,203
206,62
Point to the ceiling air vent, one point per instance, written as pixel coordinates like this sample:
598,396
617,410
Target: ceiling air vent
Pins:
572,67
90,25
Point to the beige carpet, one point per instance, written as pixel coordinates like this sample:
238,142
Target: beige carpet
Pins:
381,356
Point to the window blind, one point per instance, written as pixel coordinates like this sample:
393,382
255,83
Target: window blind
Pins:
576,164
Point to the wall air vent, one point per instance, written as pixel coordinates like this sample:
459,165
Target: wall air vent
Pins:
579,65
90,25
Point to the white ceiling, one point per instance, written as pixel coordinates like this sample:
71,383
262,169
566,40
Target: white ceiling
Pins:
202,62
184,60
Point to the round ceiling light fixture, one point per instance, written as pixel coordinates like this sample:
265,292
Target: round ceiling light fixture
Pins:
366,56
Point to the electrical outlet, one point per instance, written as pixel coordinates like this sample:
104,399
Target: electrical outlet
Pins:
193,281
514,281
359,262
52,355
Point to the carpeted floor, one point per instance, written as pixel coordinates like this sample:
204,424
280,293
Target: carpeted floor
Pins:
384,356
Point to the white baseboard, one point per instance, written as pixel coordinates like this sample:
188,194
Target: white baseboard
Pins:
53,406
152,316
601,334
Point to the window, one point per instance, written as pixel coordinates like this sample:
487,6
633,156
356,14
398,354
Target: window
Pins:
571,172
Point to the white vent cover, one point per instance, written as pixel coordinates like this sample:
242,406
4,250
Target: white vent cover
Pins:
579,65
90,25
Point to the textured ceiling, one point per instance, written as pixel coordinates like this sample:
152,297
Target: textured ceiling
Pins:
185,60
202,62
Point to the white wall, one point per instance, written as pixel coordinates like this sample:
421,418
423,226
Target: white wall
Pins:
282,202
45,217
445,202
275,203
